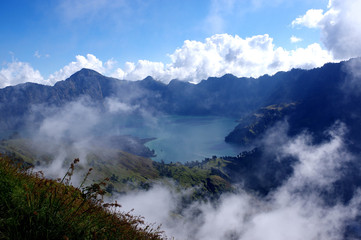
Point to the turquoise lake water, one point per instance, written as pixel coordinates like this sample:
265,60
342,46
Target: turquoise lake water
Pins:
182,139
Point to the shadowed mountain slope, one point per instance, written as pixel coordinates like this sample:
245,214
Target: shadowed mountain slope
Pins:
319,94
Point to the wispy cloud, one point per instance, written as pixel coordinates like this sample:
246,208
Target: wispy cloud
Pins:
294,39
36,54
88,10
219,9
222,12
76,129
352,83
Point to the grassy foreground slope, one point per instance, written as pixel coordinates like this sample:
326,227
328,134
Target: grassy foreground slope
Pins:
33,207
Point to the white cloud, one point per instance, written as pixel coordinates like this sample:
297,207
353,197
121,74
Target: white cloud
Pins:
221,54
319,165
90,61
340,31
74,121
311,19
38,55
115,106
19,72
352,83
310,57
194,61
140,70
64,133
293,211
294,39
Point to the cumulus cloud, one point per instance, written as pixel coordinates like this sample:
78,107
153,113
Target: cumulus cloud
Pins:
223,53
140,70
306,58
194,61
219,54
19,72
296,210
339,26
216,56
88,61
311,19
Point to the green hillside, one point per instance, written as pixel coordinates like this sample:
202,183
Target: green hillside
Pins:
253,126
34,207
127,171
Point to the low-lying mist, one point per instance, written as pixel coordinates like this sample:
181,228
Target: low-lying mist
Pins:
298,209
80,128
306,206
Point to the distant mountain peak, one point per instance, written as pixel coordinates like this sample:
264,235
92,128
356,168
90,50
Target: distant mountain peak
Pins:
85,72
229,75
149,78
151,83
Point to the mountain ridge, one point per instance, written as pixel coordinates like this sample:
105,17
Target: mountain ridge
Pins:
220,96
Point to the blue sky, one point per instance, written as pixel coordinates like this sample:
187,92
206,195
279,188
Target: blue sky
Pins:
47,36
